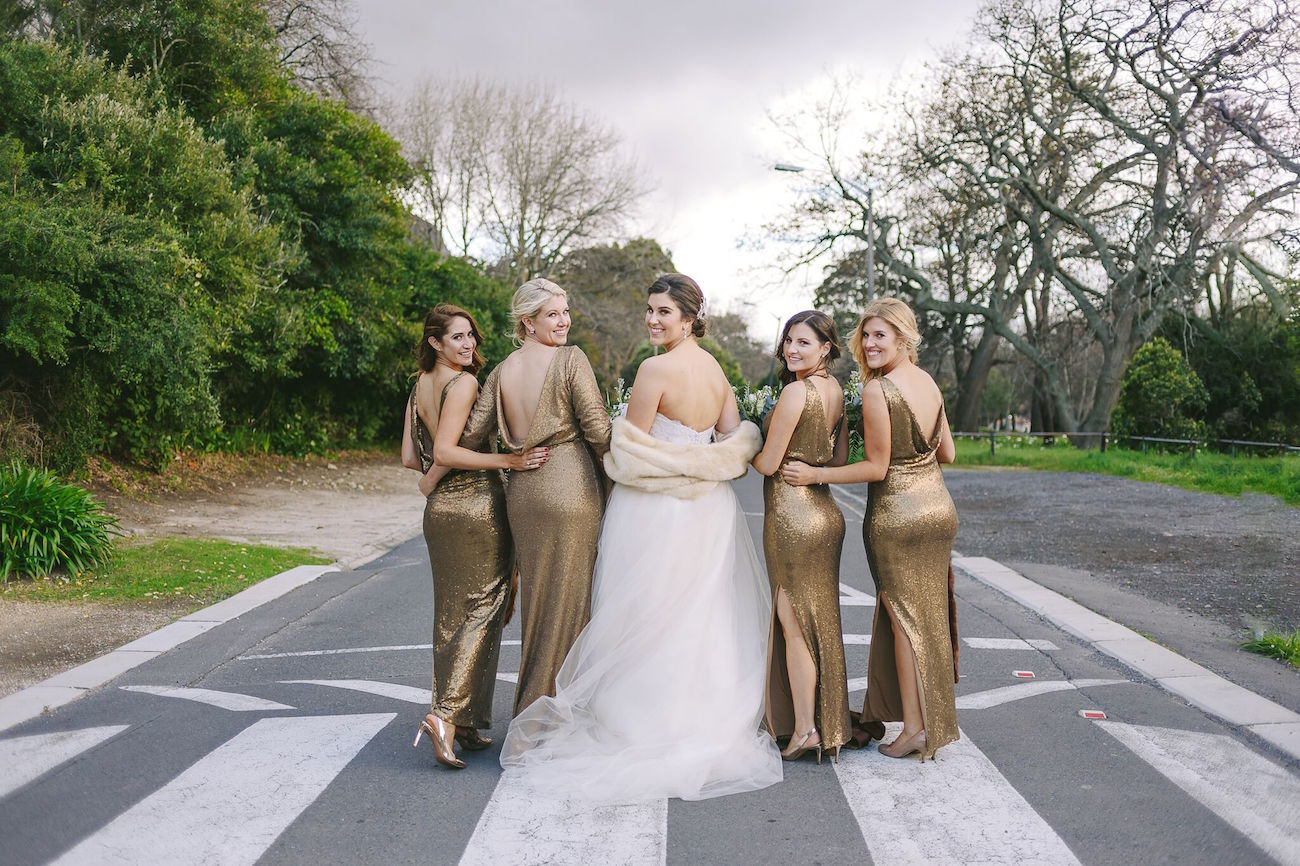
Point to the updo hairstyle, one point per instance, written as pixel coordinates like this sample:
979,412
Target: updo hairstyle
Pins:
528,302
822,325
686,294
898,316
436,325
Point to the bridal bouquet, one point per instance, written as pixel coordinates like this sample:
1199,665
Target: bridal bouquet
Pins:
755,403
616,402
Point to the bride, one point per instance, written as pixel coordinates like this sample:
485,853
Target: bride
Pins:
662,693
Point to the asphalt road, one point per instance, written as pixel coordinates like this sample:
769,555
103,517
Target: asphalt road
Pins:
293,745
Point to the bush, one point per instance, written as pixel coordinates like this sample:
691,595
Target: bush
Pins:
46,524
1161,395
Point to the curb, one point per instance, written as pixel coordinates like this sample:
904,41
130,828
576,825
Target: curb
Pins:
1198,686
66,687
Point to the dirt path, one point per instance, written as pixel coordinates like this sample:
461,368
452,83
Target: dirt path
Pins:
351,510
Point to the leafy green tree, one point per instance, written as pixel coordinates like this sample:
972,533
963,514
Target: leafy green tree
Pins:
1161,395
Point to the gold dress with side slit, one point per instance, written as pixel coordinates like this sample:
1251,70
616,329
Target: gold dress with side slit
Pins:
554,511
908,530
472,559
803,534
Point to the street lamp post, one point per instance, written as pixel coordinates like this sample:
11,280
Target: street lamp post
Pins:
864,189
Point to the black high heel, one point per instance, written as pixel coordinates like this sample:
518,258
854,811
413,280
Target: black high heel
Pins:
471,739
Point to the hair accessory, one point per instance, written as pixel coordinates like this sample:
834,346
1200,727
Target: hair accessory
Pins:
704,308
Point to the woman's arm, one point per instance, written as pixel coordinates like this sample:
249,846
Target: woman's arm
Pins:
447,450
841,455
647,391
875,424
947,451
588,404
729,419
410,459
783,419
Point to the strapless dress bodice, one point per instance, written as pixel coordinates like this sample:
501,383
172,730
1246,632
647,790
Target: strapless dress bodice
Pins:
667,429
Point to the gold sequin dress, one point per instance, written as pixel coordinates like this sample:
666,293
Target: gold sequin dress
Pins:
472,559
554,511
803,534
909,529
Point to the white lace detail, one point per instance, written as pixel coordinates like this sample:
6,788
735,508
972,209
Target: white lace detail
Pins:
667,429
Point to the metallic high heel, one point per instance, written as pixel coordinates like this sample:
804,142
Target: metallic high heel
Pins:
443,749
471,739
901,748
795,752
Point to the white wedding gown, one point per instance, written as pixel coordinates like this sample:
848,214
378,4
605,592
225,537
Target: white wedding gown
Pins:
662,693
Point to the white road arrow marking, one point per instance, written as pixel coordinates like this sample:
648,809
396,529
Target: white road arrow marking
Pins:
27,758
972,814
397,692
232,804
339,652
1254,795
1006,694
523,829
232,701
850,597
857,639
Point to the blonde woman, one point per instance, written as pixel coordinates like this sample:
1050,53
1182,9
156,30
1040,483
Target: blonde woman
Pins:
909,528
544,395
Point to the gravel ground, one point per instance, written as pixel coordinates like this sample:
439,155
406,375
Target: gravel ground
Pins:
1233,561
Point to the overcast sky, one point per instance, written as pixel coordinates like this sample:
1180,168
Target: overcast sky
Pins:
687,85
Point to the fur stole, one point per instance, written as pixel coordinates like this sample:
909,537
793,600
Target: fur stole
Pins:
680,469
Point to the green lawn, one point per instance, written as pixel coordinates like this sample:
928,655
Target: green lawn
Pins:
1204,471
200,571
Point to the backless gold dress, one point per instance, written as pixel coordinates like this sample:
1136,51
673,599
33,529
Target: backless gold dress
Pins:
554,512
909,529
803,534
472,559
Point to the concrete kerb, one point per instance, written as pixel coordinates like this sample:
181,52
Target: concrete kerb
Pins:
66,687
1200,687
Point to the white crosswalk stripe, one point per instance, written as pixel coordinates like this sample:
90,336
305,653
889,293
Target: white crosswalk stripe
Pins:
1007,694
521,828
232,804
26,758
983,819
1257,797
232,701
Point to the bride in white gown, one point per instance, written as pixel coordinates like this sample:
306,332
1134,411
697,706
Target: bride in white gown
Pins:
662,693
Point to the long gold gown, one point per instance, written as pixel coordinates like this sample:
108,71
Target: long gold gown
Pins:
803,534
554,511
909,529
472,559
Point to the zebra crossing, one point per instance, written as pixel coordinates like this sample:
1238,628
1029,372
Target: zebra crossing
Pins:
295,747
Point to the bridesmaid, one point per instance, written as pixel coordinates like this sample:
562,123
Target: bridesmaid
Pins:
803,533
909,529
470,550
544,395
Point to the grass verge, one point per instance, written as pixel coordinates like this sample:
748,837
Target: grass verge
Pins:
1204,471
201,571
1277,646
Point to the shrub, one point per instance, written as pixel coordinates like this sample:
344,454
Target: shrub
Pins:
46,524
1161,395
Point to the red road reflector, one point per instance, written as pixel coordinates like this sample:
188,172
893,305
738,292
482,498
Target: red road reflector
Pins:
1092,714
1023,675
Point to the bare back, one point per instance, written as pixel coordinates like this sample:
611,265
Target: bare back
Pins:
922,395
428,396
686,385
523,373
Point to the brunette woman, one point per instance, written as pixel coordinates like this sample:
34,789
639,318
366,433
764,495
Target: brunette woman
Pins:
470,549
803,533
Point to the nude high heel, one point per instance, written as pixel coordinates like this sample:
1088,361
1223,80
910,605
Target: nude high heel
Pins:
799,746
902,747
443,750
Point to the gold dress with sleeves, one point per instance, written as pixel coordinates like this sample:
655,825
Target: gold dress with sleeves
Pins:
472,559
554,511
909,529
803,534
